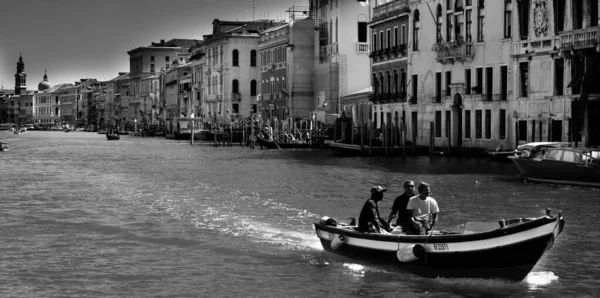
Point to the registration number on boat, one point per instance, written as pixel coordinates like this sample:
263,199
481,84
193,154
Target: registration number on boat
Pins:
440,246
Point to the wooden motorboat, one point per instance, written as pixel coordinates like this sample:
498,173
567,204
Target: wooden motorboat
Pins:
505,249
559,164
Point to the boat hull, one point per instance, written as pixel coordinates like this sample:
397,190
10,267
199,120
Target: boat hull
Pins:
112,137
549,171
506,253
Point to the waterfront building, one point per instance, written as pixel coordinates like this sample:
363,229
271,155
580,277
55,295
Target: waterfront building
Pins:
198,91
67,100
342,64
556,64
231,67
116,88
145,62
177,85
149,99
389,65
26,100
286,70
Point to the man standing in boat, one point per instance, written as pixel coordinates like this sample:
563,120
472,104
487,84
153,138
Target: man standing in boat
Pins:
369,219
400,206
424,210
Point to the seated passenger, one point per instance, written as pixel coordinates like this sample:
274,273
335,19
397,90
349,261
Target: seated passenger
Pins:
369,219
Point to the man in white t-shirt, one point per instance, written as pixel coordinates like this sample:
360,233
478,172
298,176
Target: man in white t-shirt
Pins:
424,210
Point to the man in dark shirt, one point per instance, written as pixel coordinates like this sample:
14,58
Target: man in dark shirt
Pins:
400,206
369,215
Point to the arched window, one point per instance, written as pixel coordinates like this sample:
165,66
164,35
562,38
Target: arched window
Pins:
396,82
382,80
253,58
389,82
416,26
375,84
235,58
253,88
235,88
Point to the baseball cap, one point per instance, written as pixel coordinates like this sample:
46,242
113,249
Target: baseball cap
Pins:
378,189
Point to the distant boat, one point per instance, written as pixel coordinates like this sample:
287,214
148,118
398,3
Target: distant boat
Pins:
551,163
3,146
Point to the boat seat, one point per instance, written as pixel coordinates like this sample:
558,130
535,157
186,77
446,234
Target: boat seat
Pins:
479,227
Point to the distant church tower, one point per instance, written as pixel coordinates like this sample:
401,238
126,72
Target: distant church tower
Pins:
20,77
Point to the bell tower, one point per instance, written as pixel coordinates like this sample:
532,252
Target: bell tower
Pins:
20,77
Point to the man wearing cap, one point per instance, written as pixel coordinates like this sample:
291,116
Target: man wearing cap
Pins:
369,218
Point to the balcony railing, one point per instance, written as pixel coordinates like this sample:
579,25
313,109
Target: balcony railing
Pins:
390,9
362,47
580,38
454,51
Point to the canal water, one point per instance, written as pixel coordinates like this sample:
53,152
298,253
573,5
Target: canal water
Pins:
81,216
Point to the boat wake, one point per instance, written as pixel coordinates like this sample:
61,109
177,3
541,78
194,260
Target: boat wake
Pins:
539,280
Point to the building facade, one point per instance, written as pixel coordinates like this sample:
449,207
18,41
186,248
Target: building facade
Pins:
342,52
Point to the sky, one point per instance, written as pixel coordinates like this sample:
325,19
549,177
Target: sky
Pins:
76,39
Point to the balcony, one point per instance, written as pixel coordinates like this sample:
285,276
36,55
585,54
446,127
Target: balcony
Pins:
580,38
236,97
450,52
362,47
390,9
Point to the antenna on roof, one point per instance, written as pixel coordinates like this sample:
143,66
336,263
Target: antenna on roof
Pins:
252,10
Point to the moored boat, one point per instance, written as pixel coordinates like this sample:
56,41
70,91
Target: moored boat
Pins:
559,164
281,145
112,137
506,249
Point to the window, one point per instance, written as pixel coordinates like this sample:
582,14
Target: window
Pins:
374,42
438,87
489,83
478,124
152,58
502,124
467,81
416,30
396,36
403,82
449,17
414,89
253,88
559,71
375,84
507,18
388,41
504,82
235,58
438,124
152,67
479,80
480,19
524,72
533,131
559,5
438,25
467,124
362,32
236,108
253,58
166,58
396,82
389,82
469,22
522,130
524,18
403,34
448,82
448,125
381,40
488,124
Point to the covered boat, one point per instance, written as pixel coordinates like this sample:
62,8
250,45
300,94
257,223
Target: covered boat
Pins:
506,249
560,164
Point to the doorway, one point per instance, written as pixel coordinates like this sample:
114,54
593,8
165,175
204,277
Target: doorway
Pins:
457,110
